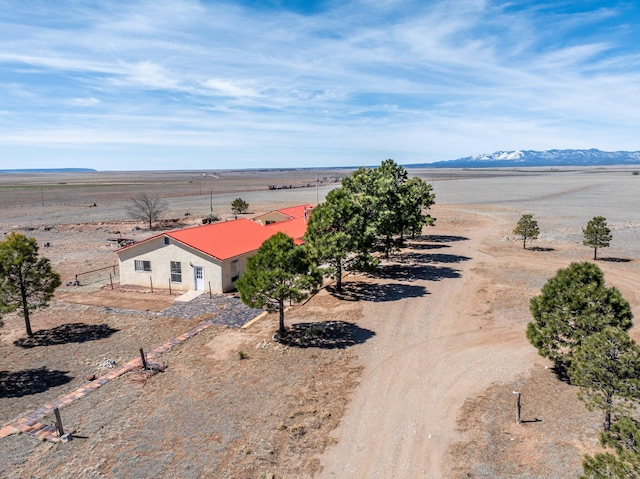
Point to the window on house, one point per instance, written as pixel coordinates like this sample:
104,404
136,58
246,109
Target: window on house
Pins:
142,265
235,270
166,240
176,272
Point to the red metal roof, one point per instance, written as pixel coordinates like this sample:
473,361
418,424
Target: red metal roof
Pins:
295,228
297,211
227,239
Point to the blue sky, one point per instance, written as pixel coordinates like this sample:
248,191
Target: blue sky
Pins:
185,84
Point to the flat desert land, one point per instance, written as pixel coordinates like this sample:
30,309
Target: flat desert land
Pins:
419,384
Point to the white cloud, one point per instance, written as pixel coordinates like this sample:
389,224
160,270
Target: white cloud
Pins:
422,79
228,88
91,101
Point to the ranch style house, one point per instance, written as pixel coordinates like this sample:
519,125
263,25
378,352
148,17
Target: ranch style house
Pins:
209,257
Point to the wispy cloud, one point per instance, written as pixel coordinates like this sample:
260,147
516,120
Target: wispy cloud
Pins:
328,83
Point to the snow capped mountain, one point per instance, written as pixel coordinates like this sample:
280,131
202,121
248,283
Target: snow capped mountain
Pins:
522,158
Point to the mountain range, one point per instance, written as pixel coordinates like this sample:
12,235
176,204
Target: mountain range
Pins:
530,158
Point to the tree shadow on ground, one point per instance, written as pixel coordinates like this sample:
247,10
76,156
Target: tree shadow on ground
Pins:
562,372
66,333
361,291
30,381
442,238
416,272
409,257
325,335
612,259
414,245
540,248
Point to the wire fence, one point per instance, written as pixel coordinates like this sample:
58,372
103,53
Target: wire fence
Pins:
107,275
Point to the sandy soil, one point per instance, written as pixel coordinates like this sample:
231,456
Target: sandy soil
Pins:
423,390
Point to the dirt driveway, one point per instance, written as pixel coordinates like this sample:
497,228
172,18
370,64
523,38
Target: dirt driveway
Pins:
435,398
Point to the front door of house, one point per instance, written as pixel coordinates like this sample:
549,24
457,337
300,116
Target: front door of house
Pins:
198,274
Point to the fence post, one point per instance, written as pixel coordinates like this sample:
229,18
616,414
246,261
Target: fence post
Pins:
111,280
151,283
59,427
169,285
144,360
209,289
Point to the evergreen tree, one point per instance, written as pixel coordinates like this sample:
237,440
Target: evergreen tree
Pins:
597,234
606,366
392,204
279,271
527,228
624,439
574,304
338,236
239,206
27,282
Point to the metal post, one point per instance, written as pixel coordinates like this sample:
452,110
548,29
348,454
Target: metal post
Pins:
144,360
59,427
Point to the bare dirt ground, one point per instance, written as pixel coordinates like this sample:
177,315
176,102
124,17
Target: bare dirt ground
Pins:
421,388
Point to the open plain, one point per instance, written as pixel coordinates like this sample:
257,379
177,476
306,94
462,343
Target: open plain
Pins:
422,387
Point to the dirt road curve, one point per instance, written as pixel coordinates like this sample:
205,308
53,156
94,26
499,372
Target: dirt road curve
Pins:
430,353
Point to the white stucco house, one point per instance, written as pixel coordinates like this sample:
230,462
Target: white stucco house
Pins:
209,257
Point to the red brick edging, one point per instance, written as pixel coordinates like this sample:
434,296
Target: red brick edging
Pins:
29,424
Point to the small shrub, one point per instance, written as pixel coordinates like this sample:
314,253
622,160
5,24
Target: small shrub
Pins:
636,173
297,430
242,355
314,331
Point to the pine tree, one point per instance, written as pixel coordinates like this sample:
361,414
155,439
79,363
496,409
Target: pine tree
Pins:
279,271
597,234
574,304
606,366
527,227
27,282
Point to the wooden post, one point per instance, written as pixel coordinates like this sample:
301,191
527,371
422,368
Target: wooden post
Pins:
518,407
144,360
209,289
151,283
111,280
169,285
59,427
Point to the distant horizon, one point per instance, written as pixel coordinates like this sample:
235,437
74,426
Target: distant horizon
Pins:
219,84
566,158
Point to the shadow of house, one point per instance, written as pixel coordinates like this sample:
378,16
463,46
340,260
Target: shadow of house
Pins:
362,291
66,333
326,335
30,381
